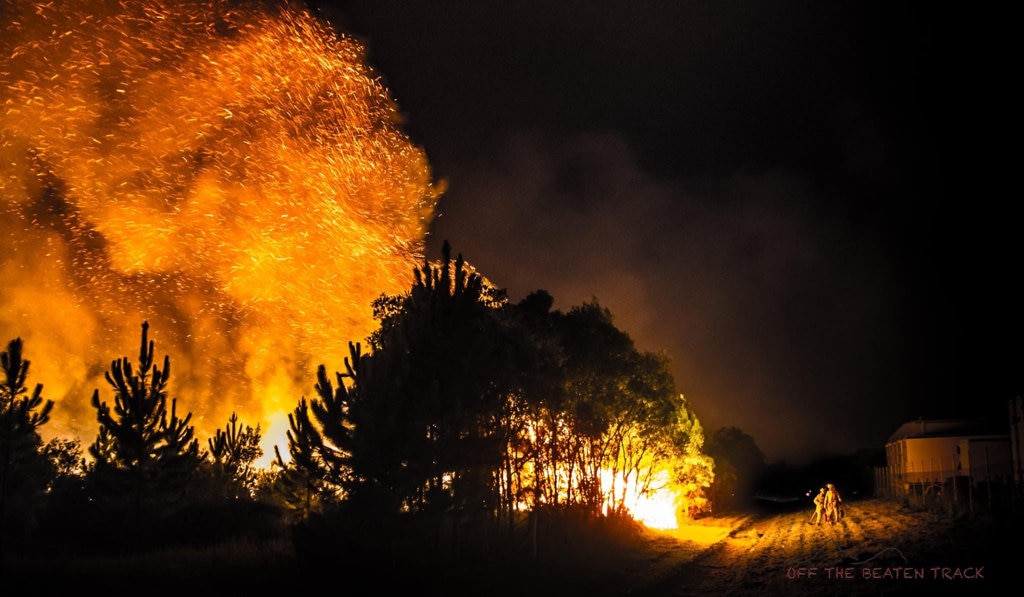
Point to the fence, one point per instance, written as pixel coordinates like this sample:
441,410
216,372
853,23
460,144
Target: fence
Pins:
937,484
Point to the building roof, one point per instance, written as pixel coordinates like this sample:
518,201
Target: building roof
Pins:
949,428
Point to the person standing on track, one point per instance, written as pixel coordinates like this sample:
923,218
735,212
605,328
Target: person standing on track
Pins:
819,507
832,500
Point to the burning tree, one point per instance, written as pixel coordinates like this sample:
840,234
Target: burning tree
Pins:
144,452
474,408
613,433
232,163
692,470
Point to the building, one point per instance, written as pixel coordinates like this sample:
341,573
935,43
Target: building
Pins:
926,454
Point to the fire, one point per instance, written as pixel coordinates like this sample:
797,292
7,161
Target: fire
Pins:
655,506
232,173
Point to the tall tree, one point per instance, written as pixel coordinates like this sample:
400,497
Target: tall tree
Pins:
471,406
23,467
144,452
610,428
442,357
414,425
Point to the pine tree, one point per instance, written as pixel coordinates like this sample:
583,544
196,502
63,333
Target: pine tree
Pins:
301,482
319,467
144,453
23,473
425,431
233,451
410,427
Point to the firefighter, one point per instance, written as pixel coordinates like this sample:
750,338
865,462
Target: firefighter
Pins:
833,511
819,507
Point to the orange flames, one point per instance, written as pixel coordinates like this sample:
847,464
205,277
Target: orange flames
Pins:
234,174
656,505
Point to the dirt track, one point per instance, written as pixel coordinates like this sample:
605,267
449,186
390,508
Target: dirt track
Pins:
879,548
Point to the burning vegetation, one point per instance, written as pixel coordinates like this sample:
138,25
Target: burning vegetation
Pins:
466,403
235,174
237,180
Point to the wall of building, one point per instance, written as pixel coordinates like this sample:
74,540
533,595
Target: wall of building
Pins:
923,457
987,459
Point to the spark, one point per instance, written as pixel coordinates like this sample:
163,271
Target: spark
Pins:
235,174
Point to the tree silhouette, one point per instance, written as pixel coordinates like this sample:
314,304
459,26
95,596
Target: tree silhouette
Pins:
603,398
467,407
233,451
742,464
313,474
144,452
23,467
432,392
416,424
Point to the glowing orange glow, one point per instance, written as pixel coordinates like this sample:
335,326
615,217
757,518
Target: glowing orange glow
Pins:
649,492
656,507
236,176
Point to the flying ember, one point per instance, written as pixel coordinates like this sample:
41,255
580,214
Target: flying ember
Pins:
233,173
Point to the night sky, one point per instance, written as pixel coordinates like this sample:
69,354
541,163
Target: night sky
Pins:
804,204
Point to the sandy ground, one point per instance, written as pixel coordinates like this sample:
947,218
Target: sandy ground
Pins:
879,548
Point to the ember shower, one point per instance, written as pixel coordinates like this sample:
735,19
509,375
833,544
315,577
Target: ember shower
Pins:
233,173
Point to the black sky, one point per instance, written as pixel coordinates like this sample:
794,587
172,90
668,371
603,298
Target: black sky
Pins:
802,203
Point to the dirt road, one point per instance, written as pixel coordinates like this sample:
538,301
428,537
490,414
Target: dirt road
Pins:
879,548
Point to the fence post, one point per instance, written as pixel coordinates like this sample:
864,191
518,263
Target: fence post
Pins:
942,480
955,493
970,486
988,478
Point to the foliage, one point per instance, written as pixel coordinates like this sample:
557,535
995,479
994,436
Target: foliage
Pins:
233,452
695,470
412,426
67,464
471,407
145,454
468,415
470,428
23,467
312,474
614,430
736,452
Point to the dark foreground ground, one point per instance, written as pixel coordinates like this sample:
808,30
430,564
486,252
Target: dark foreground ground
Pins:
879,548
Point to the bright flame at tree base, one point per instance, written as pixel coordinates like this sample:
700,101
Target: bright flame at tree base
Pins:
656,507
235,175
